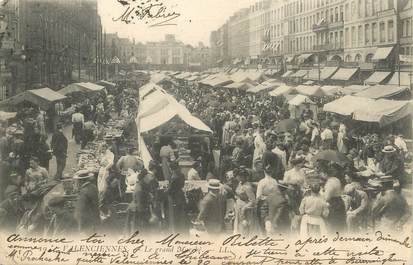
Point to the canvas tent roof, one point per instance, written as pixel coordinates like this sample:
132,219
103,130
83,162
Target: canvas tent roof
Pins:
265,86
382,91
4,116
220,80
353,89
346,105
240,85
300,99
309,90
158,77
247,75
80,87
330,90
300,73
287,74
281,90
380,111
42,97
183,75
106,83
383,111
163,111
147,89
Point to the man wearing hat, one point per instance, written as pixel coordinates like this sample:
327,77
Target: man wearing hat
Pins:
78,119
357,207
62,221
11,209
390,209
391,164
212,208
59,147
87,207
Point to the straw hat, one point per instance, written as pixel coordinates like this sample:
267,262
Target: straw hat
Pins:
389,149
214,184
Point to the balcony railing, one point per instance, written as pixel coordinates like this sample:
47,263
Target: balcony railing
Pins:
320,27
328,46
385,13
338,24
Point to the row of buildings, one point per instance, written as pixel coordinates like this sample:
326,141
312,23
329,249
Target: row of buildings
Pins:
48,43
356,32
52,43
166,55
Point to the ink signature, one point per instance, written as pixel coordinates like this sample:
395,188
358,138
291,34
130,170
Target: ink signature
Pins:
152,12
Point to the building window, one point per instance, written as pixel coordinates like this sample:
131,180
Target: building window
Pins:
336,14
374,32
347,12
357,58
390,4
353,36
360,35
367,33
369,57
347,37
390,30
348,58
360,8
382,32
341,13
368,8
353,10
375,6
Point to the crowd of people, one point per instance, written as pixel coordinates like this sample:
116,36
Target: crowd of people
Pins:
306,175
27,146
296,173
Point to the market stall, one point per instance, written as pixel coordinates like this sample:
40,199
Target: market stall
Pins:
281,90
44,98
314,90
383,91
299,103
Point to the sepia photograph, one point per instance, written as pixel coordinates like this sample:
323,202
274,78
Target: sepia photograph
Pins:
231,132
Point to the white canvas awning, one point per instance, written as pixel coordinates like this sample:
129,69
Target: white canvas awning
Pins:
382,91
377,78
353,89
313,90
383,111
382,53
281,90
346,105
300,99
344,74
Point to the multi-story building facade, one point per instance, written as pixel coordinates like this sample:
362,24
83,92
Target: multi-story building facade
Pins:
167,52
219,41
238,34
349,32
368,26
50,43
259,29
406,28
198,57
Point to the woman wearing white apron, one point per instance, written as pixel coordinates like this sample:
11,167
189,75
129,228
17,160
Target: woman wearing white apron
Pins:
106,163
313,208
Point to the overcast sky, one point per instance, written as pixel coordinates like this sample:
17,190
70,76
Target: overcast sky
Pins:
198,18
